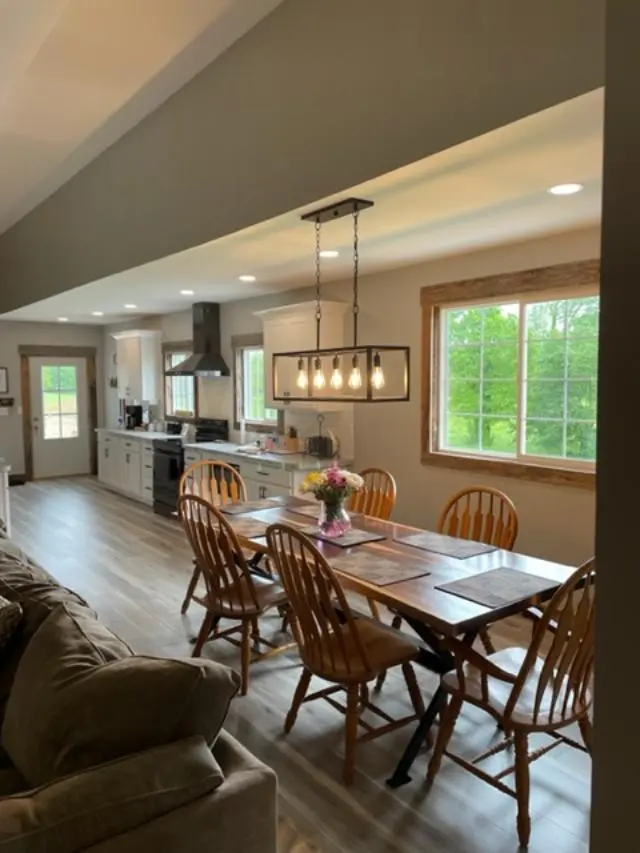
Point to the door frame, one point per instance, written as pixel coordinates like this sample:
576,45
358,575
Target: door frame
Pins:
88,353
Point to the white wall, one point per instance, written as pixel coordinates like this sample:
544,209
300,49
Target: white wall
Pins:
557,522
14,335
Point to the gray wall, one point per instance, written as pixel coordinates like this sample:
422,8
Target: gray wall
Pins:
318,97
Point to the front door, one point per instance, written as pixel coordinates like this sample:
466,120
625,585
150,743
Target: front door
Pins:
59,416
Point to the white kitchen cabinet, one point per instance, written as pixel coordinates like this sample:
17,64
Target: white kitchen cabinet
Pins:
293,327
108,462
139,365
130,453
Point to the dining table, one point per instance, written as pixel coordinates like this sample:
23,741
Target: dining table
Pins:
433,613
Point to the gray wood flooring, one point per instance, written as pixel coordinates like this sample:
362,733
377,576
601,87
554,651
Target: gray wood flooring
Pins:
133,567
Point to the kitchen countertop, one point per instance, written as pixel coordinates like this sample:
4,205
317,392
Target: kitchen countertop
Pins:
287,462
144,435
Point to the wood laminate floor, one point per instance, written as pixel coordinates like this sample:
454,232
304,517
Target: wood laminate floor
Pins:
133,567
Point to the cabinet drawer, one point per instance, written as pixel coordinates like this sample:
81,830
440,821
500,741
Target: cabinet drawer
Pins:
262,472
131,445
147,448
192,456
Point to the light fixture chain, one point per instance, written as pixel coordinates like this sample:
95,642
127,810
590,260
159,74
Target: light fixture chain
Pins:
318,305
356,270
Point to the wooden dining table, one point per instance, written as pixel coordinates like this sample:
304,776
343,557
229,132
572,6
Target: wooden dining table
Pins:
434,614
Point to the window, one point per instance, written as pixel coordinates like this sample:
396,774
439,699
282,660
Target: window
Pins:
180,390
59,401
513,380
250,388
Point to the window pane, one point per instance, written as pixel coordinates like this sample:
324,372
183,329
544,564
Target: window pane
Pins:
499,435
581,440
69,426
547,320
583,317
465,362
545,399
464,396
68,378
500,362
499,398
544,438
50,378
50,402
582,400
501,323
582,358
464,326
546,359
462,432
253,390
51,426
68,402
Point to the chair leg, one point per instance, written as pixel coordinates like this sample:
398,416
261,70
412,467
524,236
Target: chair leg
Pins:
246,655
586,731
373,607
522,787
486,641
447,724
396,622
351,733
413,688
380,680
298,699
193,583
203,635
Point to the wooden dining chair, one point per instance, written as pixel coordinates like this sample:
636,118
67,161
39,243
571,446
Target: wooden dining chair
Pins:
544,688
217,483
232,590
377,499
335,646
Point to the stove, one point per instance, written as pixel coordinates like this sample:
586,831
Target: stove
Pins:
168,462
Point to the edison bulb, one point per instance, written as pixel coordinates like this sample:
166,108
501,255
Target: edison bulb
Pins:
303,379
355,377
336,380
319,380
377,376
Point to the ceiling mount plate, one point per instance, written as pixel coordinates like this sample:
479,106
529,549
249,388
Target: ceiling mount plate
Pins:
346,207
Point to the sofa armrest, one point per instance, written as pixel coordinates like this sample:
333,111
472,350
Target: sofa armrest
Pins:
238,817
77,811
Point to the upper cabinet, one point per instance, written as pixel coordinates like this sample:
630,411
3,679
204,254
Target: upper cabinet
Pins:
293,327
139,365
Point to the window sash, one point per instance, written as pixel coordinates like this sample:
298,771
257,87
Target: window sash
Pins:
244,400
442,381
180,390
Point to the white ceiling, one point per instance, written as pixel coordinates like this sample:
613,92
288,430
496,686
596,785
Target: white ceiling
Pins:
75,75
487,191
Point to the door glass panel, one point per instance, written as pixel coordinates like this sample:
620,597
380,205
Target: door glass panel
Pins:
59,401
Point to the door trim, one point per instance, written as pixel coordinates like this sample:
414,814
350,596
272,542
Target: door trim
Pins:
88,353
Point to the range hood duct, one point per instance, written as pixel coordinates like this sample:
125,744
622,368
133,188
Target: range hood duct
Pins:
207,357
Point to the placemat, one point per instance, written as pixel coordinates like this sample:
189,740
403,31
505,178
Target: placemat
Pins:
250,528
498,587
313,510
448,546
349,540
251,506
377,570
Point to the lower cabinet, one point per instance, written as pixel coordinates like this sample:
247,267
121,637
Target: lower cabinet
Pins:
120,465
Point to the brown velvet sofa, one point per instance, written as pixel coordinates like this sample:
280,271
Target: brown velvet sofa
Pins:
107,751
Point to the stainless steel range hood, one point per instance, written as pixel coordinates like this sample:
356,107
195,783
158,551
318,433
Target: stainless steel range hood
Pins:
207,357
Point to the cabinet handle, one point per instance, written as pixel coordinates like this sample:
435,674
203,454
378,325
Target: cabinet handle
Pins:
127,458
106,453
148,466
262,473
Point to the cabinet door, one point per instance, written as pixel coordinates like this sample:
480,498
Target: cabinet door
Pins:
274,491
133,476
104,460
254,490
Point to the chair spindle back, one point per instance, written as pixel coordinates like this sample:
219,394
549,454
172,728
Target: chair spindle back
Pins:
378,497
483,514
216,482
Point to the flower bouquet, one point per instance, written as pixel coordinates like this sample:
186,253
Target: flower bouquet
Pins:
332,487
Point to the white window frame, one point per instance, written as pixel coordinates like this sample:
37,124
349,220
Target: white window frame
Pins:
260,425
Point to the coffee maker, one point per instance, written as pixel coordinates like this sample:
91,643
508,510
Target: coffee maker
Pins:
132,416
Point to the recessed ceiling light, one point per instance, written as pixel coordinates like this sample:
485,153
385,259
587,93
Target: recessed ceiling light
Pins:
63,319
247,278
130,305
98,313
329,253
565,189
186,292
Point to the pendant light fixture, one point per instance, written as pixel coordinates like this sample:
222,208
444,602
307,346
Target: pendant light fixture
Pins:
358,373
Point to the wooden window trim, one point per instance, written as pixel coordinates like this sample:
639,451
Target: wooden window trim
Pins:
581,275
168,348
238,343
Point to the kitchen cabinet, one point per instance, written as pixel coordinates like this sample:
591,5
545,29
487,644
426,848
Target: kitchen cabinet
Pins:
139,365
293,327
120,465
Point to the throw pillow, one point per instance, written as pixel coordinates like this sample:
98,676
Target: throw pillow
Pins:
10,616
77,701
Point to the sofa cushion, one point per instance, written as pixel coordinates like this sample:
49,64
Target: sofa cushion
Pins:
24,582
78,701
10,616
73,813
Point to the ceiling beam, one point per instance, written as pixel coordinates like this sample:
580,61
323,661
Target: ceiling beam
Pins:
317,98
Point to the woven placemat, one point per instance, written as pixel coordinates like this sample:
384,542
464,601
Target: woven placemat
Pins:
448,546
350,539
251,506
499,587
377,570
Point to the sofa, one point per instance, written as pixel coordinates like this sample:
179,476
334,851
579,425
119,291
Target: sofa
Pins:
110,752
